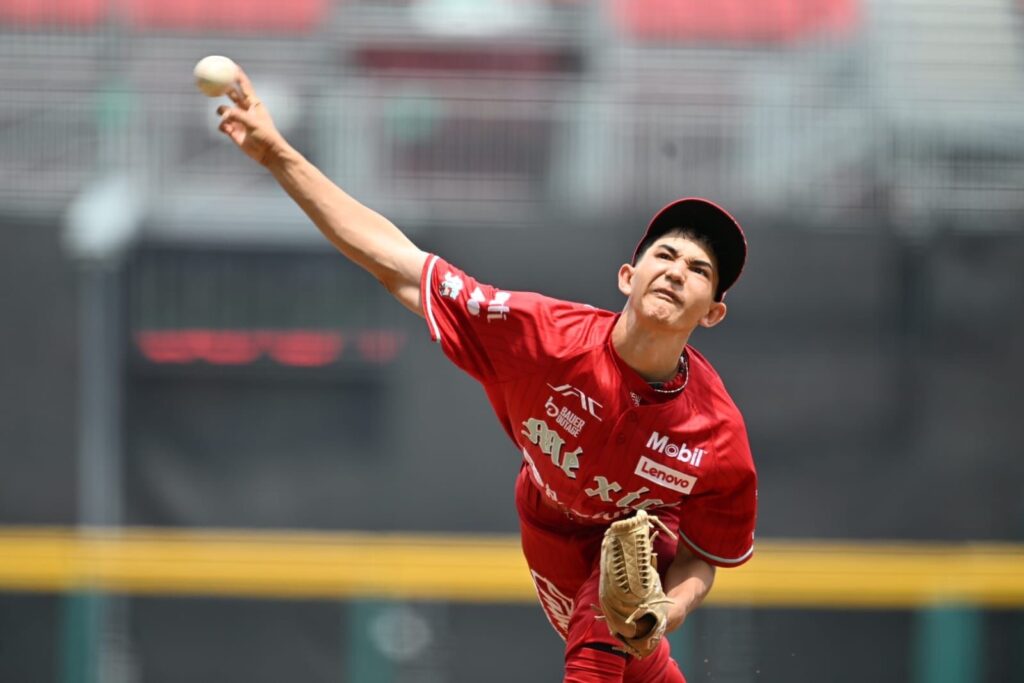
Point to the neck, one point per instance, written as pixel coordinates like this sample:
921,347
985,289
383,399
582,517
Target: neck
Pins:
654,354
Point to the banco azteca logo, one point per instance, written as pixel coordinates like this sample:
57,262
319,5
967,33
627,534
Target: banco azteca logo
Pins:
497,307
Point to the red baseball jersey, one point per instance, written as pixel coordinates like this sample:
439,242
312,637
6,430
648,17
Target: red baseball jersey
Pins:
599,441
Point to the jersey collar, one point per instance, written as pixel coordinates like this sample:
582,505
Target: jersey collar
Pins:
637,386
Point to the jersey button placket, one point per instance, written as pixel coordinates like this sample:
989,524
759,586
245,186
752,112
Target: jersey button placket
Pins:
624,422
630,420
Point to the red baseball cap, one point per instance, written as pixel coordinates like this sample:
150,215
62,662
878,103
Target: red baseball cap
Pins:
713,223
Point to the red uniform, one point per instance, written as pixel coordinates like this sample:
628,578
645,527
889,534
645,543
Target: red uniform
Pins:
597,442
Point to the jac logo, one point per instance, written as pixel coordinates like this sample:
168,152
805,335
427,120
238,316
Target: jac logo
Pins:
588,404
680,452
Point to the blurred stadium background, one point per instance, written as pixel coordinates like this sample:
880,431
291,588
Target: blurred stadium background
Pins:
204,411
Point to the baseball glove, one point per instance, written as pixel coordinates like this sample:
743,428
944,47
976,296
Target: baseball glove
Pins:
629,588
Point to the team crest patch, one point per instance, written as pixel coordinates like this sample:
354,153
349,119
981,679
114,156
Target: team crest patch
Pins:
451,286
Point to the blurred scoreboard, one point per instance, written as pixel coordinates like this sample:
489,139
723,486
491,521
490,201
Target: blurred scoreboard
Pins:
257,386
257,310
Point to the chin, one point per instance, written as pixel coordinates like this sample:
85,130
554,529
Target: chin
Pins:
668,317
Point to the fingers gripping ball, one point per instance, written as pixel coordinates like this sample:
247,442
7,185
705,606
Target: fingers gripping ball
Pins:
215,74
630,589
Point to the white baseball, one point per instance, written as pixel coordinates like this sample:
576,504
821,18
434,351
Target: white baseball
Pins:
215,74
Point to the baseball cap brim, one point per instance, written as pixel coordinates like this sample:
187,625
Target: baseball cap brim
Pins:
711,221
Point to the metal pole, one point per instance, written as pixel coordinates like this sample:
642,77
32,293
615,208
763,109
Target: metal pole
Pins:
100,379
95,647
101,224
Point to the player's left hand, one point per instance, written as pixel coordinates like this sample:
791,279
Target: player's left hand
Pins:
632,601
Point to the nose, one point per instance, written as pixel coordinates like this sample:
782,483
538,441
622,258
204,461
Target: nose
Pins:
676,273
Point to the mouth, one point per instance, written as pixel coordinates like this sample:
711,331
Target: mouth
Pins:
668,295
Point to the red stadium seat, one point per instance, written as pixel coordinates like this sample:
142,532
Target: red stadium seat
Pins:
733,21
35,13
227,16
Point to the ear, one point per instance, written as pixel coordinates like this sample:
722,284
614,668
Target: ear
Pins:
626,278
715,314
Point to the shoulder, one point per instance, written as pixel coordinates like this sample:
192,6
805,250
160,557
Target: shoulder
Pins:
511,327
573,315
561,324
721,411
708,382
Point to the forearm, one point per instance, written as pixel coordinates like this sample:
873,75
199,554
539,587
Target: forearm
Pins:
367,238
687,582
363,235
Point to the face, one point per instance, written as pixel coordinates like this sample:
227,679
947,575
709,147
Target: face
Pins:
672,286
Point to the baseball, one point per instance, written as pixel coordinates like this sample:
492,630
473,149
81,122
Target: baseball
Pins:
215,74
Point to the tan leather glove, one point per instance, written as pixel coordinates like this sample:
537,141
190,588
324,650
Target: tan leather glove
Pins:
630,588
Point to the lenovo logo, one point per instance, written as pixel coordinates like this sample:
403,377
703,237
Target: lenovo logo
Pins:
665,476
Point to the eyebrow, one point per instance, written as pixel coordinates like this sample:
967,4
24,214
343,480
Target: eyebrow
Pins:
673,250
693,262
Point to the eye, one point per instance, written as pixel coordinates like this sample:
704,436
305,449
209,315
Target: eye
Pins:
664,255
701,270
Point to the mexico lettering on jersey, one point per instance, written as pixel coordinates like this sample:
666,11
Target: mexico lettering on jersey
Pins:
597,441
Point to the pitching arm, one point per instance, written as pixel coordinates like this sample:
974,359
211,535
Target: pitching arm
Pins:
367,238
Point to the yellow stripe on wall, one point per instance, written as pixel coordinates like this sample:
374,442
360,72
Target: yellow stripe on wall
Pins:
475,568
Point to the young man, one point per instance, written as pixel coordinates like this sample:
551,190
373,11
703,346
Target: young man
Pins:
613,413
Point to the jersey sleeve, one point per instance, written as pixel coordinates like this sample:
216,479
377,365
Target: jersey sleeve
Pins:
718,525
495,334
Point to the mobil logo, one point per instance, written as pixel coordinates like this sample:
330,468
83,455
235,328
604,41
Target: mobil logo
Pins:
680,451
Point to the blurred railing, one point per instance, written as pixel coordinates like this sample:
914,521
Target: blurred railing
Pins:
477,568
877,121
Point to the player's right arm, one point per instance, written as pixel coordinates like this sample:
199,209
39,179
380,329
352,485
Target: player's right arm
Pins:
367,238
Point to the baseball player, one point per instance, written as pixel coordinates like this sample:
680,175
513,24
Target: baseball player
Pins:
619,421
